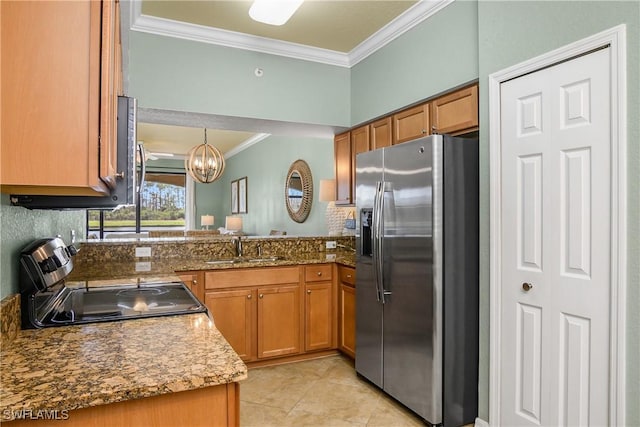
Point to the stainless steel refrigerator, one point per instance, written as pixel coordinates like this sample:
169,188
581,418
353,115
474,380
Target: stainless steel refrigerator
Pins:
417,275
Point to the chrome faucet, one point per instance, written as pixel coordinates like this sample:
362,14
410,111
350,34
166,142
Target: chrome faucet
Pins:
237,242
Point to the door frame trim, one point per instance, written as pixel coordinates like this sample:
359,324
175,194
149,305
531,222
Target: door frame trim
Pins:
616,38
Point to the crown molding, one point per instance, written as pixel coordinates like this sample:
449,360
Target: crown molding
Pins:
394,29
246,144
203,34
199,33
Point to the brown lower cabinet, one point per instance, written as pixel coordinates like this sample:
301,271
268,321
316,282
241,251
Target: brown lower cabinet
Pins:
278,321
209,406
347,311
234,313
263,314
194,280
319,308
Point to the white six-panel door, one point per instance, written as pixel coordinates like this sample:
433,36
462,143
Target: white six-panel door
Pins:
555,253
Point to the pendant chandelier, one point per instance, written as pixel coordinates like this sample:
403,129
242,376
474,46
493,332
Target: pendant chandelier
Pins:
204,162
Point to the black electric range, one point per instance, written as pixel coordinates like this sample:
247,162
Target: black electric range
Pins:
47,300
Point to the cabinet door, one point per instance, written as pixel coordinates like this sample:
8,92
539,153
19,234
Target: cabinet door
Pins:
381,135
411,124
278,321
53,85
347,319
359,144
109,93
318,316
456,113
234,315
194,281
342,152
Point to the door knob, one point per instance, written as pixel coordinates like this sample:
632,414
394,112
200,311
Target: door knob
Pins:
249,296
526,286
308,291
261,296
319,273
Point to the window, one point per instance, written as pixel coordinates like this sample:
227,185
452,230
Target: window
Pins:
160,206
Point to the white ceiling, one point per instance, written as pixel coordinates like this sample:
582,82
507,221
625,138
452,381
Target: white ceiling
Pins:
337,32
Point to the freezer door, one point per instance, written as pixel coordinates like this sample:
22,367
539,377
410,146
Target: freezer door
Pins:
368,308
412,328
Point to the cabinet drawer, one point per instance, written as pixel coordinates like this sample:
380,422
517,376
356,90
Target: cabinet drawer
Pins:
317,273
347,275
251,277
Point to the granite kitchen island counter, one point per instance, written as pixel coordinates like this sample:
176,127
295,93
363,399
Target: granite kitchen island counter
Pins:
72,367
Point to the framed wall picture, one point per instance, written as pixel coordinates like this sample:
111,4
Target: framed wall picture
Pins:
242,195
234,196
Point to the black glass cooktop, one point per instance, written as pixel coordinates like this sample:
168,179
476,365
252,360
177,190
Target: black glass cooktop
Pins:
109,303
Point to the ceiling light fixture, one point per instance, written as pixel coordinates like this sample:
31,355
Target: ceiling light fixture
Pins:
204,162
273,12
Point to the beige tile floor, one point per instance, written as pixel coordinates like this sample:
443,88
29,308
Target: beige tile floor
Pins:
321,392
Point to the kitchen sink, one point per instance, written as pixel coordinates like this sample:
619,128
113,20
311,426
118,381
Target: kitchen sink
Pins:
265,259
239,260
224,261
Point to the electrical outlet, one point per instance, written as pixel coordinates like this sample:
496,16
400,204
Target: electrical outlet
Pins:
73,236
143,252
331,244
331,257
143,266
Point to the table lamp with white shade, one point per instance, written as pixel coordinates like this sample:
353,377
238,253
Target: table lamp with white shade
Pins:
333,216
233,224
206,221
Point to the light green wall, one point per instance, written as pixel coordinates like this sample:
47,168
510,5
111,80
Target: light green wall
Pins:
266,165
464,41
20,226
174,74
433,57
509,33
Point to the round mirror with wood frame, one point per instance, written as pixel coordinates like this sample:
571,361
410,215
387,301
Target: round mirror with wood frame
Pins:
298,191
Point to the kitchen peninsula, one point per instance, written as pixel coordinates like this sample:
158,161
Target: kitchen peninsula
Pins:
164,370
174,369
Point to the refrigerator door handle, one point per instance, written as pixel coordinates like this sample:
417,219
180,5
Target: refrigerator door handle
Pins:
376,240
380,240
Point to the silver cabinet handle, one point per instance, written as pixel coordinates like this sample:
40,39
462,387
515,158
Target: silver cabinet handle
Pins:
526,286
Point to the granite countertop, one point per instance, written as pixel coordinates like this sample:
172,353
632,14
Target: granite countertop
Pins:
73,367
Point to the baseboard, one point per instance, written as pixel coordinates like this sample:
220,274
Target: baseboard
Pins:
481,423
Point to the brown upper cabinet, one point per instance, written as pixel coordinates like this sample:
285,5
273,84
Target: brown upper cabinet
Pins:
455,113
411,124
346,147
381,133
343,165
60,83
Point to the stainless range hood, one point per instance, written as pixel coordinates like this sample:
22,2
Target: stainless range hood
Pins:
126,187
